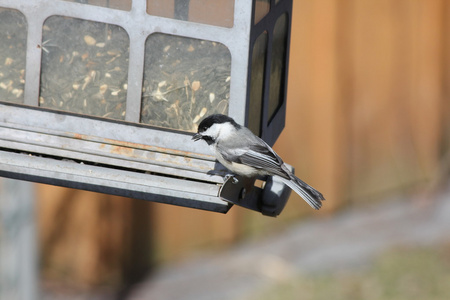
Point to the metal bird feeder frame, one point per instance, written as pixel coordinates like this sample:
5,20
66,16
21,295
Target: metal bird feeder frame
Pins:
104,95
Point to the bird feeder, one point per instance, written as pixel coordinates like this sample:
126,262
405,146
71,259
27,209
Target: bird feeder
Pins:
104,95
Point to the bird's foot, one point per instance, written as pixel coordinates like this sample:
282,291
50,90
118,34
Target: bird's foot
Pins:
234,180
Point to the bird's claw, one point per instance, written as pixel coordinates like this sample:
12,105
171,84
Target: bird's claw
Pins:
234,180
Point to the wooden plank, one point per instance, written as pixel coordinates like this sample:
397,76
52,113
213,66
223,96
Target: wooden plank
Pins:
397,77
427,99
86,238
371,118
312,139
179,232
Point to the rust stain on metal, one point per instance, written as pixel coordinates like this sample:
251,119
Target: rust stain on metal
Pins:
122,150
169,151
127,148
80,136
128,144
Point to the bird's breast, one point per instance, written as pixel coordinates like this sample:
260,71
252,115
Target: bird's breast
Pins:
237,168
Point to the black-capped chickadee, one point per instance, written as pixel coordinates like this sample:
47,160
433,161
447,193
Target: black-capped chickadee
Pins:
245,154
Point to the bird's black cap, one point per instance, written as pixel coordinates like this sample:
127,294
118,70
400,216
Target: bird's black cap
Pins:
216,119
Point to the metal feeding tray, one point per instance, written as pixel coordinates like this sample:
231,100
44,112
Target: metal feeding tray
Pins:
104,95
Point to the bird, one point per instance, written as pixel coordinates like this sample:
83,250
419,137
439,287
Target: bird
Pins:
247,155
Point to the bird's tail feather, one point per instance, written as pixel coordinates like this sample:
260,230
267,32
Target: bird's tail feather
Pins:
312,196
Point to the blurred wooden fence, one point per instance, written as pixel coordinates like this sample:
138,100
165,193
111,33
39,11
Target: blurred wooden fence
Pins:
367,114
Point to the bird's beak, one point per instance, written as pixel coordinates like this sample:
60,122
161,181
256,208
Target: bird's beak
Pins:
197,137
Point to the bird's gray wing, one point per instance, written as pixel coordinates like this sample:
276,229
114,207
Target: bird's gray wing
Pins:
255,153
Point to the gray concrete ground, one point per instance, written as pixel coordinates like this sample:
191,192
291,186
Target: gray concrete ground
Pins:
349,239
